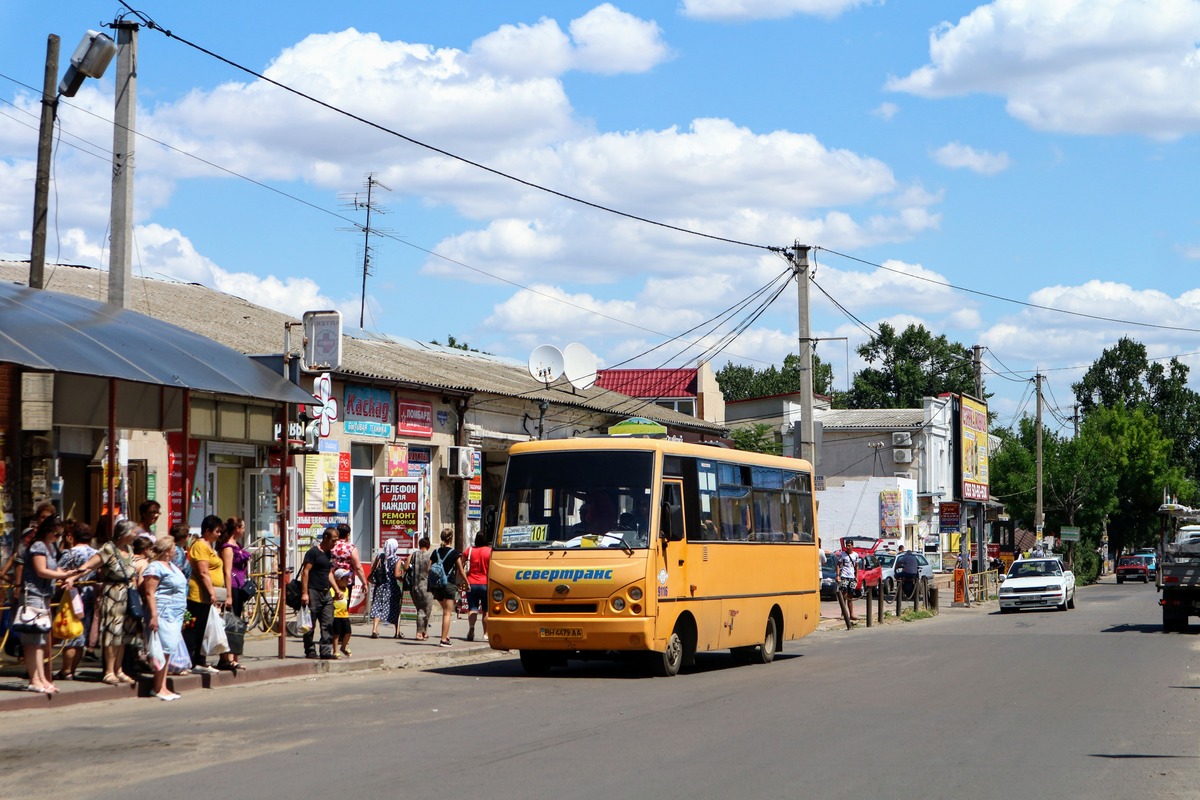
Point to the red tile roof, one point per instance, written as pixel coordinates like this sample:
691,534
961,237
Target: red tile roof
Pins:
646,383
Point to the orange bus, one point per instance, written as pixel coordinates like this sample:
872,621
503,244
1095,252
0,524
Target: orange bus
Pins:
615,545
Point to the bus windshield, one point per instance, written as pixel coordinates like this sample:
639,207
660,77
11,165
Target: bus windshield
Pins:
581,498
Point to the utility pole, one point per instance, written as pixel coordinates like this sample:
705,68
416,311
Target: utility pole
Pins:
124,119
981,523
41,186
370,205
1038,520
808,445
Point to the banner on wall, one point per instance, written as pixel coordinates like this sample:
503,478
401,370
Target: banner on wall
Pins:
398,511
397,460
367,411
475,489
414,418
420,466
889,513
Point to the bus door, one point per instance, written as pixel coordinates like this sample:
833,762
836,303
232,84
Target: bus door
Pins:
672,576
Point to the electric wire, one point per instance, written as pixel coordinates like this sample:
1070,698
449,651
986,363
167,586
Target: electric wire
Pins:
477,165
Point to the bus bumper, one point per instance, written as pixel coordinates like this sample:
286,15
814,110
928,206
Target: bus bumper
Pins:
568,634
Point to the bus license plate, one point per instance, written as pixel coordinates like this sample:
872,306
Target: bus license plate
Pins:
560,633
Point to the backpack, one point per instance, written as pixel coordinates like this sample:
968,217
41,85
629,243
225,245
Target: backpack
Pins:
437,574
293,594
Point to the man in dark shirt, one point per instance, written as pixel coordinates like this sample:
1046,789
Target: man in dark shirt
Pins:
315,585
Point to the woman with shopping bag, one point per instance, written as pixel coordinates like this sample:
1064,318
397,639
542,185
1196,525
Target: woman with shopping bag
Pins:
38,578
206,591
165,590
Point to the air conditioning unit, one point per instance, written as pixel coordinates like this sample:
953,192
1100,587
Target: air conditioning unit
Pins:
460,462
901,439
903,456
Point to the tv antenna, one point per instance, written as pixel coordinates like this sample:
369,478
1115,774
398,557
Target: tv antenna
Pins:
358,203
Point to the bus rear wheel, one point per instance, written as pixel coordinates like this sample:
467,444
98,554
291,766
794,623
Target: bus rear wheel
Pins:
766,653
667,663
536,662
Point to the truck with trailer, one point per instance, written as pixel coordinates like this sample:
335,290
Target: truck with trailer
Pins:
1178,574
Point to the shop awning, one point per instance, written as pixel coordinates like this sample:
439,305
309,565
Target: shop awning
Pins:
55,332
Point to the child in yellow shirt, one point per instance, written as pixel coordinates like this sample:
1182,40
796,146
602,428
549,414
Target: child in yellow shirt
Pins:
341,611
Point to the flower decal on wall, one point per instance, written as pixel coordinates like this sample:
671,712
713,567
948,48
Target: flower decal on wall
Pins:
326,413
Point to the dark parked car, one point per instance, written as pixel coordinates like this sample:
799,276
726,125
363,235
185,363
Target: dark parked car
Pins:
1132,568
828,580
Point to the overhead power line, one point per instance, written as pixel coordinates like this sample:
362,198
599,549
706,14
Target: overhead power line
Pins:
499,173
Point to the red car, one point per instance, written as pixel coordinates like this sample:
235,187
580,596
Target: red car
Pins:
870,573
1132,568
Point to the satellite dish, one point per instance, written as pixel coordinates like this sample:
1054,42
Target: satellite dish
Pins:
579,366
546,363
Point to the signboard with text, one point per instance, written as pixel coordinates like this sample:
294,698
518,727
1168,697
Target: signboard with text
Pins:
973,448
414,418
367,411
398,506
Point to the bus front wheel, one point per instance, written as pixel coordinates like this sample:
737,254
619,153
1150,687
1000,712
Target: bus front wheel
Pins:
766,653
667,663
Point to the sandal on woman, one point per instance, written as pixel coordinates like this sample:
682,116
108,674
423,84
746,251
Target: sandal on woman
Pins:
123,678
374,634
111,679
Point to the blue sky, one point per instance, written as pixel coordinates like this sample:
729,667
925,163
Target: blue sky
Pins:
1043,153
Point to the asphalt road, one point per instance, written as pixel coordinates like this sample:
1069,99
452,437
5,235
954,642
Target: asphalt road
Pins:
1094,702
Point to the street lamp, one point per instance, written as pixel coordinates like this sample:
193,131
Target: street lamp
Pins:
90,59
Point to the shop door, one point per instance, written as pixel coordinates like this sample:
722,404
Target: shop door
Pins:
362,527
224,491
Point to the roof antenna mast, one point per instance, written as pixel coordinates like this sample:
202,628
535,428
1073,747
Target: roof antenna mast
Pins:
357,202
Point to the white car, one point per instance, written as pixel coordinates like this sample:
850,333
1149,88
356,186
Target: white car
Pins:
1037,583
888,562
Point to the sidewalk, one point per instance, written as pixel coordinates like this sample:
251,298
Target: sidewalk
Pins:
260,662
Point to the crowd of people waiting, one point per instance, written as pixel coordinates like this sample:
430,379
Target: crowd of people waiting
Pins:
133,590
144,601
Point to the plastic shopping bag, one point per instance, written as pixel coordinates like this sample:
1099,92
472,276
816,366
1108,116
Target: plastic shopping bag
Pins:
304,620
66,624
215,642
155,656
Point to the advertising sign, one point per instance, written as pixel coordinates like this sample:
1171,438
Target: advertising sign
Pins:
973,448
949,516
889,513
414,418
475,489
367,411
1069,534
398,505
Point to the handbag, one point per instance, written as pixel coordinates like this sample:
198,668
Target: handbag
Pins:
376,576
134,608
235,632
66,624
30,619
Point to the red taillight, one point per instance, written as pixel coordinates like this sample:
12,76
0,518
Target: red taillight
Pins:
1171,579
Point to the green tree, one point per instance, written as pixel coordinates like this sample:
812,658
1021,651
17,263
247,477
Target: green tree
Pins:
911,365
1123,375
451,341
757,438
742,382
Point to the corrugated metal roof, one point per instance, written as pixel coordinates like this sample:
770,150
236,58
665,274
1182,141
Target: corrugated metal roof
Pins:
665,384
252,329
59,332
870,417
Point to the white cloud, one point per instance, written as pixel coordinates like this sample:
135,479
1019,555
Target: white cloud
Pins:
960,156
610,41
886,111
767,9
880,288
1076,66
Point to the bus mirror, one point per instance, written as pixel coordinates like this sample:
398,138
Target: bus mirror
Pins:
489,523
672,522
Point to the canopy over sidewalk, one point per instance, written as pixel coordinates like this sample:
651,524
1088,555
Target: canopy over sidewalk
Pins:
55,332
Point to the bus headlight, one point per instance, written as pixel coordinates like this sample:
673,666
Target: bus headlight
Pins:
635,593
618,604
512,605
497,595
